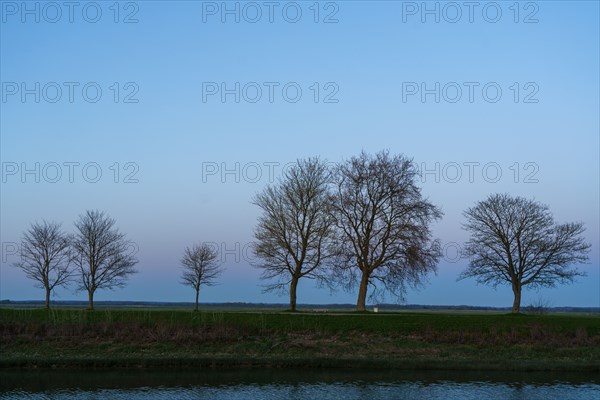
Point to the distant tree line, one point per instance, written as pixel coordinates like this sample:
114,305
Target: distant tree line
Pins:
361,224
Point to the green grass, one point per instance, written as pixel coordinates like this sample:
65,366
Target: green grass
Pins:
67,337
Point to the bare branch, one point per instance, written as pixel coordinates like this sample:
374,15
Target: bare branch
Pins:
200,266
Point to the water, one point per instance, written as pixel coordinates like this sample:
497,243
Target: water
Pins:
295,384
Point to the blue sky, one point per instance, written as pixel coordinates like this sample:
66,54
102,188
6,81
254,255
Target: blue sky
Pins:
179,162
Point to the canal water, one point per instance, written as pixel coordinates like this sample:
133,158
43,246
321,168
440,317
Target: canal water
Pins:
294,384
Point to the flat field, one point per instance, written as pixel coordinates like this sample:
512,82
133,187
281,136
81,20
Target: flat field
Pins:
134,338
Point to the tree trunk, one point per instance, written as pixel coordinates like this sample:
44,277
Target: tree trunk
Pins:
362,292
197,293
91,300
293,287
47,298
516,308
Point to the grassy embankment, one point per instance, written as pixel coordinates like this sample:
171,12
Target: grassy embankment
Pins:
164,338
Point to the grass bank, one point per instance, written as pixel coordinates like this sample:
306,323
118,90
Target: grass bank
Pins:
178,338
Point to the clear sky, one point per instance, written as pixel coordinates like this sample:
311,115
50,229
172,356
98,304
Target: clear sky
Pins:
169,116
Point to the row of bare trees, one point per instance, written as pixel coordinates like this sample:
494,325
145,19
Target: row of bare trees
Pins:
365,223
359,224
96,256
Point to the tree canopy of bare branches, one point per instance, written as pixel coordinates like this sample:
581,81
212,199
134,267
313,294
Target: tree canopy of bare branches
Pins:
45,256
294,231
516,241
200,267
383,220
101,253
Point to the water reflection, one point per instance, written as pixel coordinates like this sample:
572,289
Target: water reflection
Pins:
294,384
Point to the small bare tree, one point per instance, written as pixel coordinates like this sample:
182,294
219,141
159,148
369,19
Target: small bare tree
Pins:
101,253
294,231
200,267
383,224
45,256
516,241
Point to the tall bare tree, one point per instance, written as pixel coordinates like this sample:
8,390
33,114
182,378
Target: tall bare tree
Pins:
516,241
101,253
294,231
45,256
200,267
383,222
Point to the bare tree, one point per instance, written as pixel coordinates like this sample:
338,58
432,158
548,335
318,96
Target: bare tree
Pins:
295,229
515,240
200,267
383,222
101,253
45,256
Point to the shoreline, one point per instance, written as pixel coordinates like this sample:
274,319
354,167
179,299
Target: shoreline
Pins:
244,363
